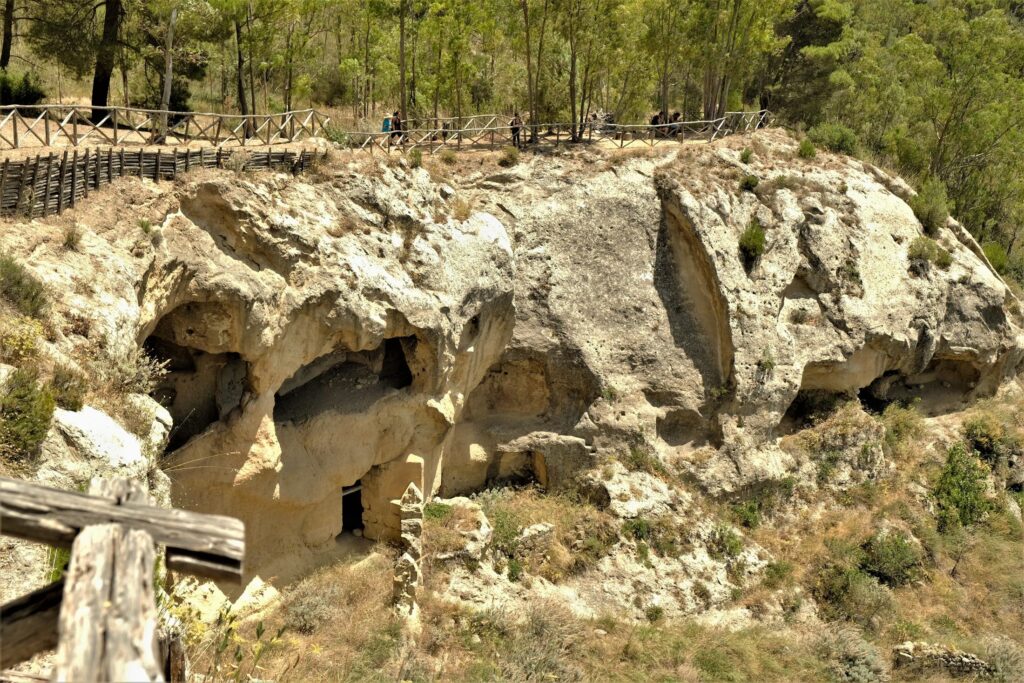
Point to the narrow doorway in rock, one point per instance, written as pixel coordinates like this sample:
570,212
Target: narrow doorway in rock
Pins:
352,509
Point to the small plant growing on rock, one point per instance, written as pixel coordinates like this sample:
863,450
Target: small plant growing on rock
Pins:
509,157
891,558
749,183
72,238
462,209
746,155
514,570
807,150
799,316
931,206
69,387
22,289
724,543
997,256
19,339
238,161
654,613
145,226
923,252
416,158
752,243
25,412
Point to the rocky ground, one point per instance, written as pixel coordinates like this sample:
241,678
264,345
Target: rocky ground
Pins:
677,414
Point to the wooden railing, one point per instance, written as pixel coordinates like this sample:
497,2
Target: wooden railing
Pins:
55,125
48,184
492,131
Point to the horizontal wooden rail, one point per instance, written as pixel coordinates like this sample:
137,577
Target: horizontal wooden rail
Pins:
206,545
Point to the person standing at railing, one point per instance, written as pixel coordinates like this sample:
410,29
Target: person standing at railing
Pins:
516,124
396,127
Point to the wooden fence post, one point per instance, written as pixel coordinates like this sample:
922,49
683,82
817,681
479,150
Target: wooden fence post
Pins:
113,119
46,186
85,177
74,177
3,181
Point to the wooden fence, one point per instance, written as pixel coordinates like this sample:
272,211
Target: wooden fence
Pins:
47,184
56,125
492,131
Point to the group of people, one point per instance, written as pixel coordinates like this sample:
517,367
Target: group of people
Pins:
667,125
394,126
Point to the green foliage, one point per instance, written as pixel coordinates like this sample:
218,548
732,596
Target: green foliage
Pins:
852,659
777,574
639,528
25,413
959,492
807,150
834,137
997,256
746,155
509,157
515,570
416,158
654,613
69,386
19,339
57,561
642,460
724,543
903,424
891,558
989,438
448,157
752,243
337,135
22,289
845,591
72,238
761,500
505,527
924,251
437,512
931,206
25,90
749,183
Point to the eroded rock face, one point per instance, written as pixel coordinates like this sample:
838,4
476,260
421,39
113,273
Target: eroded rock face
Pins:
319,340
640,324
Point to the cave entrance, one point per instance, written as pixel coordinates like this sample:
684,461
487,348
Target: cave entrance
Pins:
352,508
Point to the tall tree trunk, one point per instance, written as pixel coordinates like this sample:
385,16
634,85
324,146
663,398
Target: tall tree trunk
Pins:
289,68
402,4
165,102
437,79
5,50
243,104
105,58
531,86
252,72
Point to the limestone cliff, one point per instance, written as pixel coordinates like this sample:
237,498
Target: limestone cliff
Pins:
372,326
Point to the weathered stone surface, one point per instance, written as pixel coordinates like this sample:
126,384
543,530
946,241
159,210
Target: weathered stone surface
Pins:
925,659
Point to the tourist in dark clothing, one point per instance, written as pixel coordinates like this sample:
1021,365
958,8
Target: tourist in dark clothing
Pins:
516,124
396,127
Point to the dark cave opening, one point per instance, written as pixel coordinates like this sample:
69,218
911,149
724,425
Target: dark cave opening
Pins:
352,507
345,381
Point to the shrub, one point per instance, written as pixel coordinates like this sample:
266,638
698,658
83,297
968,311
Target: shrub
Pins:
69,387
25,91
639,528
448,157
852,659
924,251
145,225
752,243
987,437
462,209
749,182
437,512
747,513
891,558
902,424
509,157
336,135
642,460
997,256
724,542
834,137
845,592
25,413
807,150
416,158
746,155
21,288
959,492
515,570
19,339
134,371
654,613
310,606
776,574
72,238
931,206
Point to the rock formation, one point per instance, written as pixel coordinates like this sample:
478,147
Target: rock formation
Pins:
332,341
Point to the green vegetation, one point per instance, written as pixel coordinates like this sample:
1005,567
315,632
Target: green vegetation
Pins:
749,182
931,206
834,137
69,387
437,512
724,542
642,460
509,157
924,251
72,238
26,409
752,243
891,558
24,90
845,591
22,289
959,492
746,155
761,500
997,256
807,150
416,158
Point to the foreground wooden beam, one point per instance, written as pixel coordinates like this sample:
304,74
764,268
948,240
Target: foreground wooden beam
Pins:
29,624
212,546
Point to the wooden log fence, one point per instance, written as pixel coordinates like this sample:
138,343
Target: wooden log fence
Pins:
49,183
102,617
56,125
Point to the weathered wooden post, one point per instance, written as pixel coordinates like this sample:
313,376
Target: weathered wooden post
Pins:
102,617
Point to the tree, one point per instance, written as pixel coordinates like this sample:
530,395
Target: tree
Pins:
8,34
